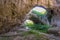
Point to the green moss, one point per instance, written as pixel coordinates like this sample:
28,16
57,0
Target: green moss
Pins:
40,27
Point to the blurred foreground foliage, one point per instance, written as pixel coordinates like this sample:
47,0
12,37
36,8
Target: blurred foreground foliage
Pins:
39,27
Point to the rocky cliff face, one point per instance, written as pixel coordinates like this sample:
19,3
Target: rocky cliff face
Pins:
12,12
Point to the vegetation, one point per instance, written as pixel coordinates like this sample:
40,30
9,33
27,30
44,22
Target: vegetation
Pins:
38,27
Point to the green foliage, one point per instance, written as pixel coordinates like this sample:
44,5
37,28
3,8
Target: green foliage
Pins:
39,27
29,23
38,13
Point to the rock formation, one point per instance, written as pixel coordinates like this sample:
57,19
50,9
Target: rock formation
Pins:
13,12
